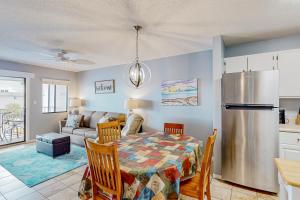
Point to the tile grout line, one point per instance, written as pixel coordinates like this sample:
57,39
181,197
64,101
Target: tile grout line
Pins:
40,194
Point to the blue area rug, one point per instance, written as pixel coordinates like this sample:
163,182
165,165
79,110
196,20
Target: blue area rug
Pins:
33,168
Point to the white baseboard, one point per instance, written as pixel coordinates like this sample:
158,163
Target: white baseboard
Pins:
30,141
217,176
16,144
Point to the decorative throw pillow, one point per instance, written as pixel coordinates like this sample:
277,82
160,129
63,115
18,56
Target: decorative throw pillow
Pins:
86,118
112,116
104,119
133,124
73,121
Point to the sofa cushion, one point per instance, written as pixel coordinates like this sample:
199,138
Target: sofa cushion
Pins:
133,124
86,118
73,121
67,130
91,134
80,131
95,118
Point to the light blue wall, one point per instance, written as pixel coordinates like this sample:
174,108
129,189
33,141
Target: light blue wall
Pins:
197,119
278,44
41,123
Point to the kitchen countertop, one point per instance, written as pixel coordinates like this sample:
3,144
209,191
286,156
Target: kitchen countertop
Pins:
289,128
289,170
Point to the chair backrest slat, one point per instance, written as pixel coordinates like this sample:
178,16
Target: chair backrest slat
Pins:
173,128
104,166
108,132
206,163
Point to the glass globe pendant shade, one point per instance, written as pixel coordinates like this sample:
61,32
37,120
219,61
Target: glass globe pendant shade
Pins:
139,74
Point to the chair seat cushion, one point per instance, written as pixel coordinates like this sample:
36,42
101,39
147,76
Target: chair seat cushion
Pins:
53,138
67,130
81,131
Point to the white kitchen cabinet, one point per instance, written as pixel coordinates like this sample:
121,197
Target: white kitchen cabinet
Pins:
287,62
290,154
289,185
235,64
289,71
255,62
289,145
262,62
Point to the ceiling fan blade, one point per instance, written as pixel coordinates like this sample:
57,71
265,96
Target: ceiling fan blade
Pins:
83,62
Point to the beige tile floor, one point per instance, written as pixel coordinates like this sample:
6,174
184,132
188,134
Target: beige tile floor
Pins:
65,187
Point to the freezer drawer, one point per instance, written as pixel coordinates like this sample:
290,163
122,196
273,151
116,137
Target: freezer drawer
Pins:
251,88
249,145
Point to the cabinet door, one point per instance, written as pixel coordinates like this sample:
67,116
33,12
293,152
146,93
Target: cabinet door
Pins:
289,73
235,64
290,154
261,62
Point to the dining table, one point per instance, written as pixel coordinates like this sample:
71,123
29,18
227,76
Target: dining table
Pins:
152,165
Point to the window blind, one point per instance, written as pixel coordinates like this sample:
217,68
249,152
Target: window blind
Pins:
55,81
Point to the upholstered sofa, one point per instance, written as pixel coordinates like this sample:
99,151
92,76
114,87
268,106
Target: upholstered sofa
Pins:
87,128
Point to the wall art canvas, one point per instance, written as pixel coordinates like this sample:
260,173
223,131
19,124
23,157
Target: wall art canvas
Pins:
180,92
104,87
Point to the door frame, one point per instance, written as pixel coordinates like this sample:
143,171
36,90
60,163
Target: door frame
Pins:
27,76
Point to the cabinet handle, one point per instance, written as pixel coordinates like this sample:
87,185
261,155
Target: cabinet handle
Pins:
298,140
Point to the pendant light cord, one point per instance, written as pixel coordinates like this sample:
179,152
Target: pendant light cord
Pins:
137,45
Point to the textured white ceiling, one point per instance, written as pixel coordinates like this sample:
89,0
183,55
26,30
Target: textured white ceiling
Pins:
101,30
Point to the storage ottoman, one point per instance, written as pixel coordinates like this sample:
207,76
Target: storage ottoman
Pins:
53,144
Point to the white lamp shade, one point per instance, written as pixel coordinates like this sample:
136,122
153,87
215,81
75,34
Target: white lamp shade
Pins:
133,104
75,103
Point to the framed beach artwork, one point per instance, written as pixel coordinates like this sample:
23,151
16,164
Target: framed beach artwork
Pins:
180,92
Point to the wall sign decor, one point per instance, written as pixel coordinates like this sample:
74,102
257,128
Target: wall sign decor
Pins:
179,93
105,87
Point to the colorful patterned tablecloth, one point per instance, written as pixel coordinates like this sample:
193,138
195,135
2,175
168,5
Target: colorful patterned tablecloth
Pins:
152,165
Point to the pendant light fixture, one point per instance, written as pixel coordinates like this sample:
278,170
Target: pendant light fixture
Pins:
138,72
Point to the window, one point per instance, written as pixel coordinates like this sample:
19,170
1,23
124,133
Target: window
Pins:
55,97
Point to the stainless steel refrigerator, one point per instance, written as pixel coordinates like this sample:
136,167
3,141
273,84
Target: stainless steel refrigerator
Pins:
250,129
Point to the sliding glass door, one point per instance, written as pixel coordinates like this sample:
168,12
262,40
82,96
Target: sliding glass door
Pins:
12,110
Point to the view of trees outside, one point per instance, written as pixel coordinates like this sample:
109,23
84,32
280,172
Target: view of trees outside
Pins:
12,95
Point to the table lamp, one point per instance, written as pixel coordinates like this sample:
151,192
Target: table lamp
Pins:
132,104
74,104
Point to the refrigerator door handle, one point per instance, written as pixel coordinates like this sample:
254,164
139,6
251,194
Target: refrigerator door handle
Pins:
249,107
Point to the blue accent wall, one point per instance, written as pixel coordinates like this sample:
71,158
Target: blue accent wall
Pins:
197,119
278,44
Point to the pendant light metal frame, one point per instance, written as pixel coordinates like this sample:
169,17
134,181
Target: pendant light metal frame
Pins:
137,70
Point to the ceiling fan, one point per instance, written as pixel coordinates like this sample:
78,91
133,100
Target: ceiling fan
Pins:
67,56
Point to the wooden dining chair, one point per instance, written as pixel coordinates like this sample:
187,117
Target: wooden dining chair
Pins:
199,186
172,128
108,132
105,170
